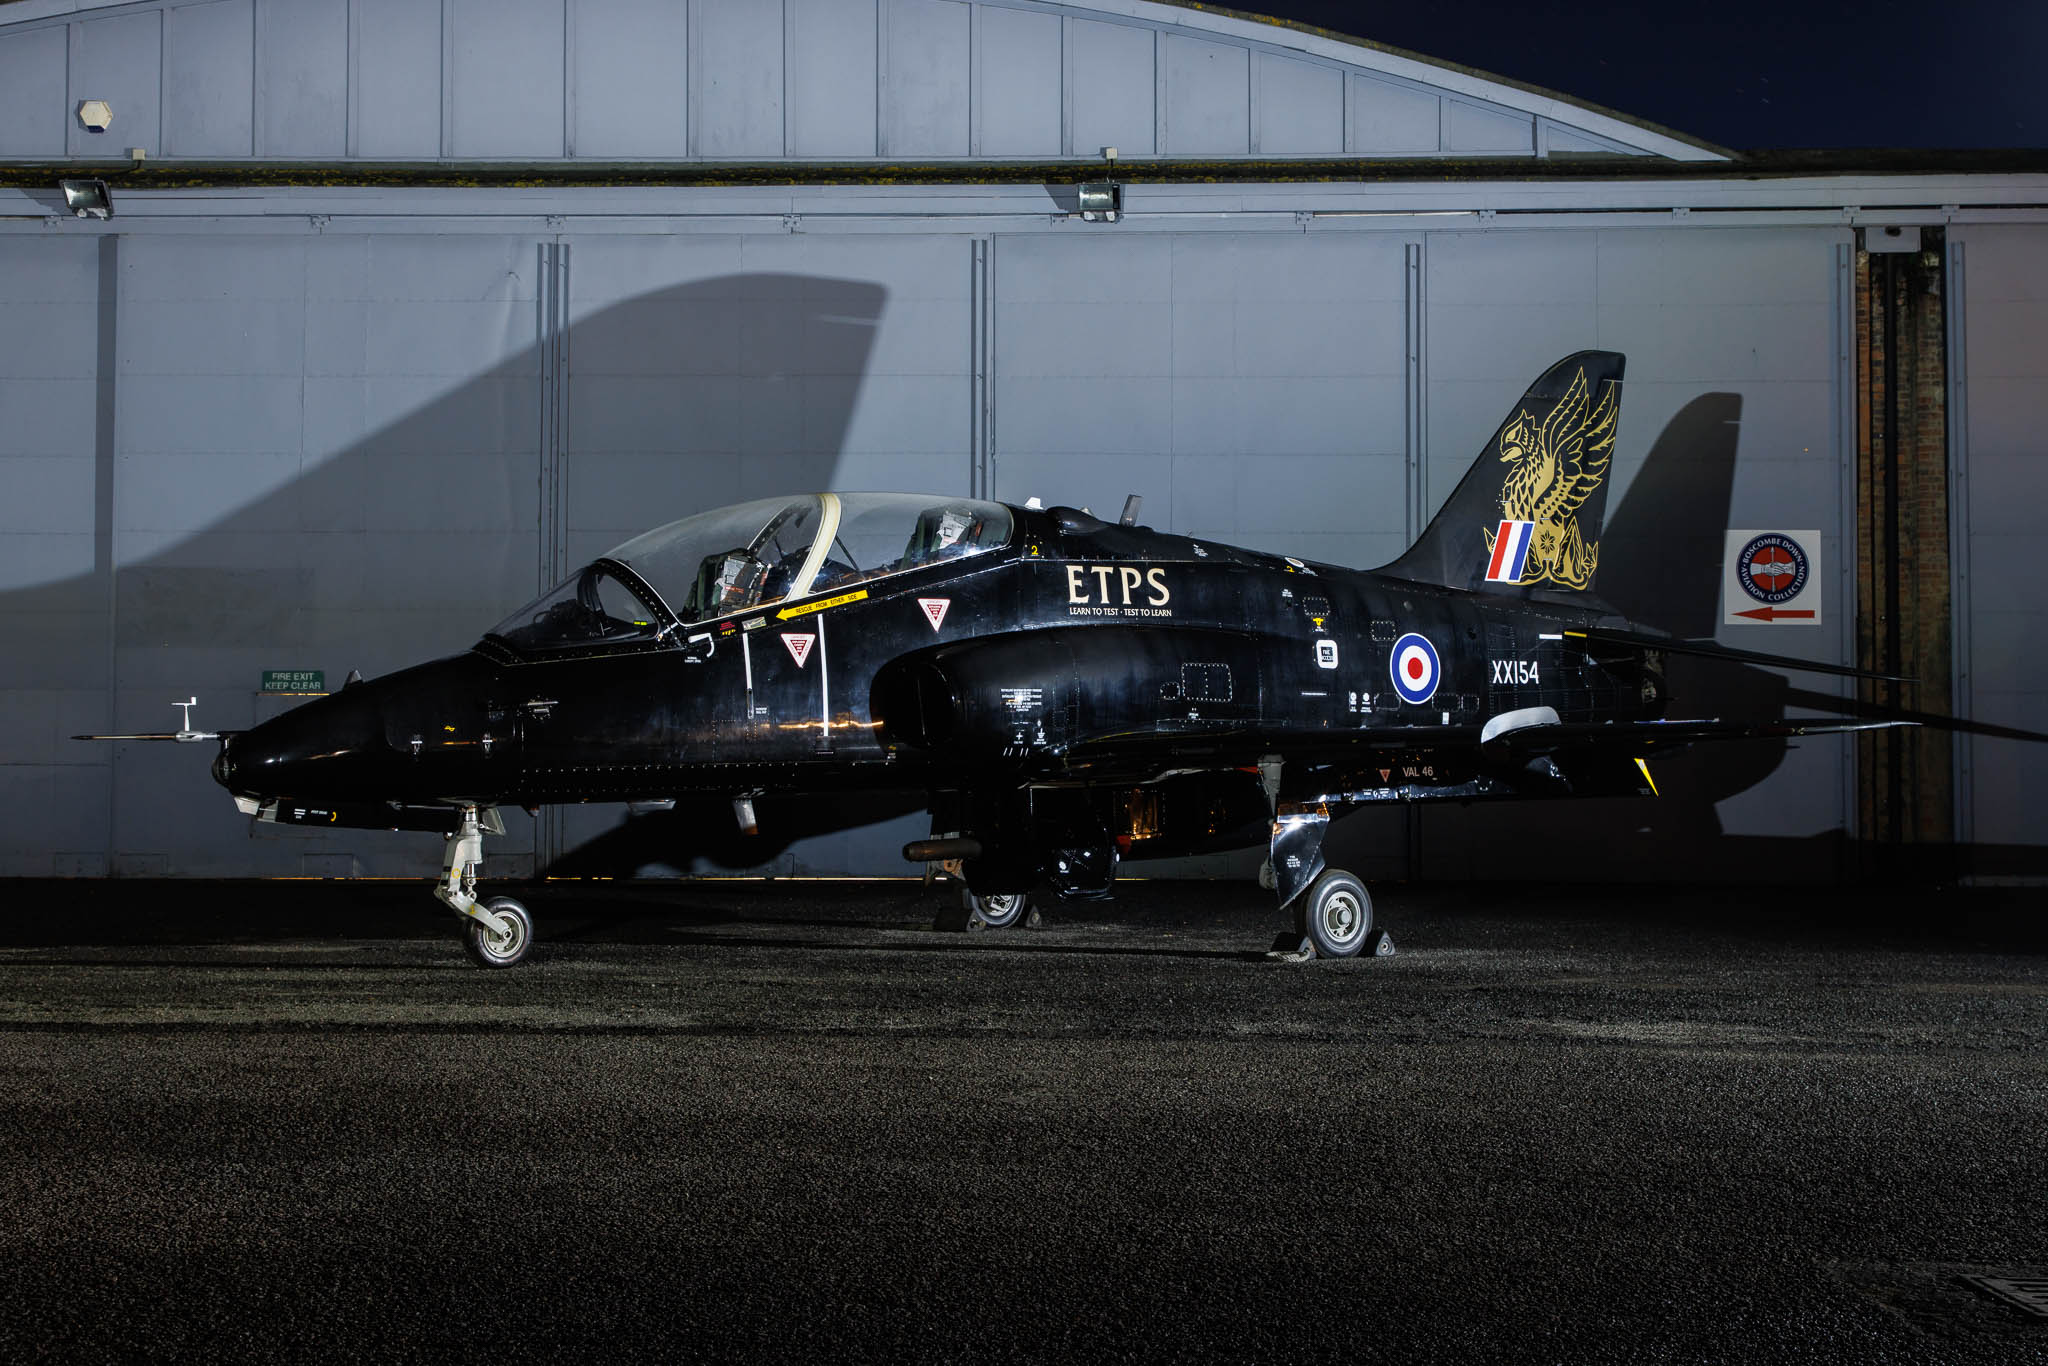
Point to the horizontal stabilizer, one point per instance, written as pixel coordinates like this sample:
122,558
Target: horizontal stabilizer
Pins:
187,737
1710,649
1647,736
1877,711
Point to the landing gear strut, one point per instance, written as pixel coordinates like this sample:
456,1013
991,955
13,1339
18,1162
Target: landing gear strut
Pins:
496,933
1332,910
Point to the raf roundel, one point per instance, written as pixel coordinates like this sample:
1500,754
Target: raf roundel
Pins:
1414,668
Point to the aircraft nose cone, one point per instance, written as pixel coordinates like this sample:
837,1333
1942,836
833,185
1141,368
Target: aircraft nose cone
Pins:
325,748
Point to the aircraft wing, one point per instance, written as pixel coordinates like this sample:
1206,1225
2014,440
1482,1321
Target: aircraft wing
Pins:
1644,737
1544,737
1713,649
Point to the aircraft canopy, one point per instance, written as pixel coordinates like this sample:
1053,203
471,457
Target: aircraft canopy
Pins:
750,555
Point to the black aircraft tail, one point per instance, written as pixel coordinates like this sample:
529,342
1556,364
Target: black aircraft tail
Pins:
1526,517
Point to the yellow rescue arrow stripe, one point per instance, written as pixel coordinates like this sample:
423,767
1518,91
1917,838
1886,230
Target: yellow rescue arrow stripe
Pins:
805,609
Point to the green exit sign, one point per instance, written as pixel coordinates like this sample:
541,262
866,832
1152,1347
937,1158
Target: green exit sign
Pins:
294,680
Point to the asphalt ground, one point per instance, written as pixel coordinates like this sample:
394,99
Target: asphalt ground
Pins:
791,1121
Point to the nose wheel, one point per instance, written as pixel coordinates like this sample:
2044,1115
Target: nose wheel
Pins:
503,944
495,933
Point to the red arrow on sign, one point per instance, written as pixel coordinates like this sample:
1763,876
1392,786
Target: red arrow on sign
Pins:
1776,613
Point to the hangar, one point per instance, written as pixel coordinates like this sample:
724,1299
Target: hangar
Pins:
383,313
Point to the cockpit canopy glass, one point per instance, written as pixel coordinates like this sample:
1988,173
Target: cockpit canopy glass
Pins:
596,607
750,555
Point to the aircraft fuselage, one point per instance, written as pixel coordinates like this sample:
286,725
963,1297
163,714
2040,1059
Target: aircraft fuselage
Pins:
1080,652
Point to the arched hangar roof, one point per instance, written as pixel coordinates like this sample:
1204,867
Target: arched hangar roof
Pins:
754,81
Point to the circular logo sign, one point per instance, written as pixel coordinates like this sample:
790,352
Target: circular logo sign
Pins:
1772,568
1414,668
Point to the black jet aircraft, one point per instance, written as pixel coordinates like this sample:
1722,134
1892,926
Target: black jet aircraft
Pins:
1064,692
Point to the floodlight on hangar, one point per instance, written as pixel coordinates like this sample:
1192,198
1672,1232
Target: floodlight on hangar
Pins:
1101,201
87,198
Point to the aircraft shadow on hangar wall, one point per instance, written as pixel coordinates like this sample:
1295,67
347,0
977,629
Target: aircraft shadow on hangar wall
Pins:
242,606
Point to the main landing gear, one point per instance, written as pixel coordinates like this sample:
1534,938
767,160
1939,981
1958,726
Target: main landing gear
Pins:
998,910
495,933
1332,910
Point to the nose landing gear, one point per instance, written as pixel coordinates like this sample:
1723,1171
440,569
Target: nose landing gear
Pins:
496,933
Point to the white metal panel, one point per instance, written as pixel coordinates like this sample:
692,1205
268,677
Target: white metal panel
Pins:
2006,351
1109,87
302,74
925,94
505,78
630,77
395,79
1018,79
119,60
1559,138
1251,388
33,110
1208,97
1475,128
53,587
1386,117
325,459
209,79
736,81
830,86
1299,106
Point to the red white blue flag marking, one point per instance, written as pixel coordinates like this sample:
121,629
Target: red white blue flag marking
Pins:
1510,552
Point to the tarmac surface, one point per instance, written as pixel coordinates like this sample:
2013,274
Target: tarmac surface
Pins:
790,1121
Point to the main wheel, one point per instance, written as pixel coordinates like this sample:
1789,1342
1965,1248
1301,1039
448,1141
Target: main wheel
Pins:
487,947
1337,914
998,910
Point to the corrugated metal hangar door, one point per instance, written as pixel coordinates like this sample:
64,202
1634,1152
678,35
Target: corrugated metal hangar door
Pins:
2002,629
262,453
1252,387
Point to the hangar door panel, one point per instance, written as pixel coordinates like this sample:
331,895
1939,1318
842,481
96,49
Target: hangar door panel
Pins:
325,457
55,435
708,370
1728,419
2005,353
1251,388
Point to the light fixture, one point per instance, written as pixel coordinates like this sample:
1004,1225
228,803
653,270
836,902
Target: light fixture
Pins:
87,198
1101,201
1895,238
95,115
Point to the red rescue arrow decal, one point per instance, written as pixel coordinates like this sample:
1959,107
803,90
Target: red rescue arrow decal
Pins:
1777,613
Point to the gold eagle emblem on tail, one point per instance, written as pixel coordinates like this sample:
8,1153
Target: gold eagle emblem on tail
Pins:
1555,464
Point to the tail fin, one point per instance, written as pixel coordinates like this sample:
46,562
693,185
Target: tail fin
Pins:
1526,516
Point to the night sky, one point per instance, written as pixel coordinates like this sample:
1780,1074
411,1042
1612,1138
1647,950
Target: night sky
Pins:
1745,73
